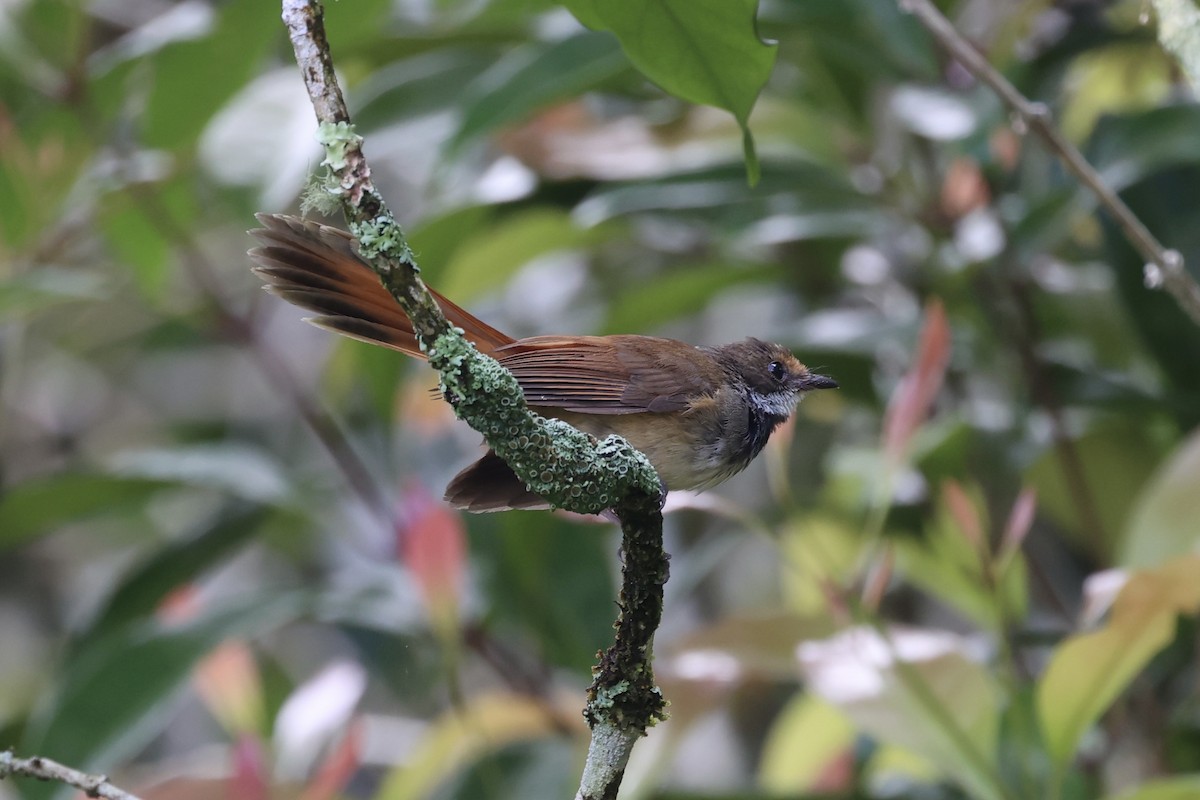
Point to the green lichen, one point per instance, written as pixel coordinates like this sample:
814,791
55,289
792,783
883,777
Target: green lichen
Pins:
381,238
564,466
338,139
607,697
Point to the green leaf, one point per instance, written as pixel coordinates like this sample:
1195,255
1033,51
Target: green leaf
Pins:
192,80
804,740
137,243
1181,787
1127,148
241,470
1116,460
704,51
549,578
143,588
536,76
947,564
483,723
1089,671
420,85
116,697
48,286
494,254
38,507
1163,523
437,239
916,689
678,293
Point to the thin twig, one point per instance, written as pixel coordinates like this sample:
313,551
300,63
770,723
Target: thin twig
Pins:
1164,267
567,468
44,769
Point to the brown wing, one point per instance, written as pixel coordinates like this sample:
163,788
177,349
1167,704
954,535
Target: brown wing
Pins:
316,267
608,374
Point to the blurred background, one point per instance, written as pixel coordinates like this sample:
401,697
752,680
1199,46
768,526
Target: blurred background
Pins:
225,570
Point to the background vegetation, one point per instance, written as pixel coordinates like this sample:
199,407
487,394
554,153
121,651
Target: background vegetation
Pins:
224,571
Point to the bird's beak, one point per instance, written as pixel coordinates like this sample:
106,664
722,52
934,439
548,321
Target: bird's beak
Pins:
817,382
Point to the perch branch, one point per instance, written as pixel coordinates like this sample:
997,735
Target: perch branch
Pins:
44,769
568,468
1164,267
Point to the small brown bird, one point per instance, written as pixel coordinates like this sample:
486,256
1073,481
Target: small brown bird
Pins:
700,414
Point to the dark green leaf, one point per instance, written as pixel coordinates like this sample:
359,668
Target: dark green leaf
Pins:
113,699
142,589
684,291
704,51
192,80
535,76
38,507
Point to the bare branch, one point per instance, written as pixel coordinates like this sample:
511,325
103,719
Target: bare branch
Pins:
46,770
1164,267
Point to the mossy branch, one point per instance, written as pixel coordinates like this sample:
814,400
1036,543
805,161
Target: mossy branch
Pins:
566,467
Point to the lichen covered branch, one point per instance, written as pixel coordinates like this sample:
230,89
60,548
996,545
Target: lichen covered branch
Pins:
567,468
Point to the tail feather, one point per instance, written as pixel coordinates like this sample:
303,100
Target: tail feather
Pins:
318,268
490,485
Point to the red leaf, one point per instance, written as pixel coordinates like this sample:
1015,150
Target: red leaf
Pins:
227,680
1020,519
179,606
249,779
432,543
914,396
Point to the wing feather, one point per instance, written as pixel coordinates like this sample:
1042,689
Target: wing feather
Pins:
606,375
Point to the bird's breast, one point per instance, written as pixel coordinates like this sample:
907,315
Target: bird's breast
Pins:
715,438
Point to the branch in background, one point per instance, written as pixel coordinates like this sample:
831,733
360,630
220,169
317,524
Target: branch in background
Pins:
1164,268
569,469
44,769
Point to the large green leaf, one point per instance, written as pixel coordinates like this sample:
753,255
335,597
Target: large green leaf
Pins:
551,580
1116,459
916,689
1182,787
143,588
1165,522
666,297
705,51
48,286
1088,671
113,699
535,76
192,80
490,257
40,506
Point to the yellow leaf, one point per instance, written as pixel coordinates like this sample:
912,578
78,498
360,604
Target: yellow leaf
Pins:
1089,671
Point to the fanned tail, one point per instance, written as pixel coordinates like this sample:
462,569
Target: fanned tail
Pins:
317,268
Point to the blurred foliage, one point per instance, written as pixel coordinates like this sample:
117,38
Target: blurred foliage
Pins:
221,572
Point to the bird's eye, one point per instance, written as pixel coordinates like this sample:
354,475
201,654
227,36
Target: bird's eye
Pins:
777,370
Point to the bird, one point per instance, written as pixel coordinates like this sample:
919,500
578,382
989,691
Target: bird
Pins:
699,414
